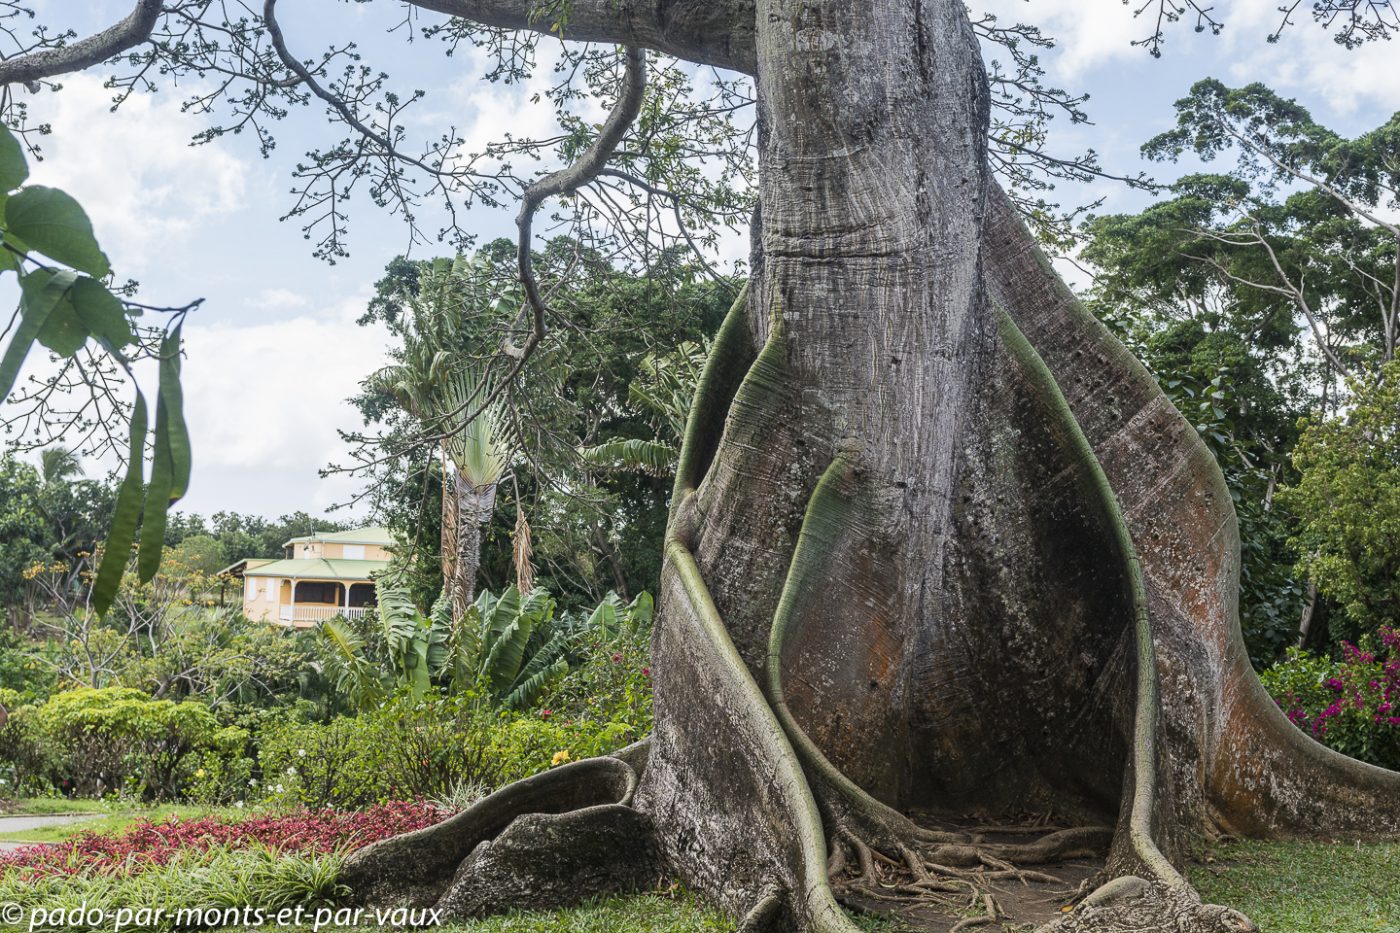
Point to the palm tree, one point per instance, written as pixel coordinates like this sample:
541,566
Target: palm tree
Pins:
59,464
453,397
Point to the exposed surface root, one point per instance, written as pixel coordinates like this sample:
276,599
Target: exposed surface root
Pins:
549,860
1150,908
416,868
973,874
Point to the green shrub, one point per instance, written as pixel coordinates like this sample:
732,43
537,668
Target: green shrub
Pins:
22,669
428,747
408,748
90,743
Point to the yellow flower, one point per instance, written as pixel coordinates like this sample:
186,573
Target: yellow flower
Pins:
562,757
200,773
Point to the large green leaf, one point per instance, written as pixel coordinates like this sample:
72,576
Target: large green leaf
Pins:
607,617
50,221
633,455
641,610
13,167
547,665
170,463
101,312
40,293
507,652
399,617
125,517
497,615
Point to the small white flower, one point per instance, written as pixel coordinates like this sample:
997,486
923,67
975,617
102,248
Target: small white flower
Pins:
252,782
278,789
301,753
291,772
239,805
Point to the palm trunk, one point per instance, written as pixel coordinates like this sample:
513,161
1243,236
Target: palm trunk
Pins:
473,507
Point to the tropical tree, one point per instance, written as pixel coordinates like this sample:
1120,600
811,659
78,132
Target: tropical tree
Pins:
1348,499
59,464
457,401
911,448
1328,251
661,393
593,528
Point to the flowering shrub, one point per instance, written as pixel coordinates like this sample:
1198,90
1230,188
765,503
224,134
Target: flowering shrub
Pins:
149,843
1352,705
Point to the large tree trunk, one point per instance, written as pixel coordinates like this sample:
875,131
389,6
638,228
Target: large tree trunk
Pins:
939,548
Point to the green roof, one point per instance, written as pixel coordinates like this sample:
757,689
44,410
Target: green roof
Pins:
373,535
248,563
318,568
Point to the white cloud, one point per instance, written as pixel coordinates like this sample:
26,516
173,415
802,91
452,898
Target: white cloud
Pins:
1306,62
262,428
1084,39
279,299
134,171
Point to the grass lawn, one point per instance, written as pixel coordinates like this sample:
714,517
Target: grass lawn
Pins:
1295,887
48,806
657,913
1306,887
111,817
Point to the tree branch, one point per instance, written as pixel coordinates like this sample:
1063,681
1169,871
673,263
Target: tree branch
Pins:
709,32
46,63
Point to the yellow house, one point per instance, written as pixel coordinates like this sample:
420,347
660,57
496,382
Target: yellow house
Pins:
320,577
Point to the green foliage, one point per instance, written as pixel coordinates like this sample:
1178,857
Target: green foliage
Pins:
511,647
574,393
1351,704
661,393
23,529
90,742
220,877
410,747
1347,498
25,668
62,309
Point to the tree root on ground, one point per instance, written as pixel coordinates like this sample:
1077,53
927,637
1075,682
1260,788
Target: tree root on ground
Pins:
957,876
418,868
1133,905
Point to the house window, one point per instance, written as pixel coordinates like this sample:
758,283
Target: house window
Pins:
361,594
272,585
354,552
315,592
252,588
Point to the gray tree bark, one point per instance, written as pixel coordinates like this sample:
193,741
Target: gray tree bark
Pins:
939,546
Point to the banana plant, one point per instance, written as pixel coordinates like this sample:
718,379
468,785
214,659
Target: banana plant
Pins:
359,680
612,619
416,648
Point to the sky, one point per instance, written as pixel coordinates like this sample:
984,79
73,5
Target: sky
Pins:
274,350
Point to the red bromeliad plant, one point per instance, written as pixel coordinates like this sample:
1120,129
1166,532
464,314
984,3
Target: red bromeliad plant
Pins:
152,843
